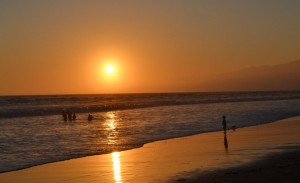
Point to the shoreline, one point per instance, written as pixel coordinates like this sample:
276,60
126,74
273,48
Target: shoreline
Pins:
168,158
73,158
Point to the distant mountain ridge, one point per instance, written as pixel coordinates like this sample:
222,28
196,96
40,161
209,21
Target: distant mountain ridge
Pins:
271,77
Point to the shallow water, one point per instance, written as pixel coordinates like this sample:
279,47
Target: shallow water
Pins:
37,139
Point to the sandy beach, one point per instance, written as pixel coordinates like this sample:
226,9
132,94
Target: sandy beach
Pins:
208,157
278,168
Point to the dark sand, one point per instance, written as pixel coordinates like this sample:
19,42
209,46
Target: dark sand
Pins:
279,168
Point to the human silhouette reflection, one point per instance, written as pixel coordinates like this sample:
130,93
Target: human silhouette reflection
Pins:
225,142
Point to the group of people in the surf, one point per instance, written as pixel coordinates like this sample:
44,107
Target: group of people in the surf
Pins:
68,116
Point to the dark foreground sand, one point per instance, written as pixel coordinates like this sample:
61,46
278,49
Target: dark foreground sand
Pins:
275,168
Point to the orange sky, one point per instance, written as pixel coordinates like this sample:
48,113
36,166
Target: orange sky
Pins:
61,47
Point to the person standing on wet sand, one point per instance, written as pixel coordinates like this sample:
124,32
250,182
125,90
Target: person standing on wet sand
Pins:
224,124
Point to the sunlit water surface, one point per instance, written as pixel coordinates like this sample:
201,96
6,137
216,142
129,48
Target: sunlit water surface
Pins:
29,141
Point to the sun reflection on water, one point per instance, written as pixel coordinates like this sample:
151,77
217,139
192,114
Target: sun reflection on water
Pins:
111,120
117,167
111,127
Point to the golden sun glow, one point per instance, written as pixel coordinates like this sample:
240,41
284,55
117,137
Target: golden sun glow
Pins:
110,69
109,73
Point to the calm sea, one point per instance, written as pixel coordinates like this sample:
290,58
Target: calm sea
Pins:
34,132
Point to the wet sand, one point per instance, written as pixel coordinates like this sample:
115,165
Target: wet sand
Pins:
174,160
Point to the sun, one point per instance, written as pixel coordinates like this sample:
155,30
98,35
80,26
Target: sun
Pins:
110,69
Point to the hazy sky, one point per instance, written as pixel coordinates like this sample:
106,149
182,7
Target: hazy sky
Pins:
61,47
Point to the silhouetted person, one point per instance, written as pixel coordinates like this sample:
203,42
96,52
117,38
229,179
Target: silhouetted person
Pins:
74,116
90,117
69,115
64,114
224,124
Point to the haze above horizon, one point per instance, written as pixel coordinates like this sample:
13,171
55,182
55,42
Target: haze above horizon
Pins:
85,47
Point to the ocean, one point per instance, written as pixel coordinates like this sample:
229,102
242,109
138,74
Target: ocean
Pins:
34,132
